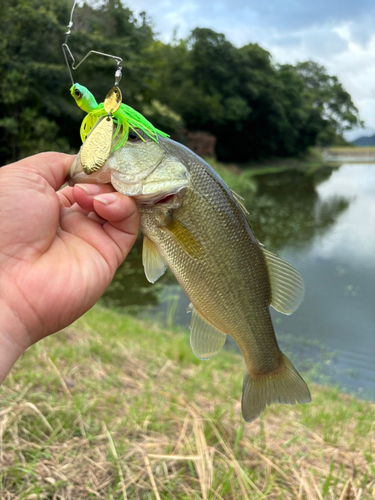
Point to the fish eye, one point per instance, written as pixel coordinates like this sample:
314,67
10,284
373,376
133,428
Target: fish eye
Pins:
133,136
77,93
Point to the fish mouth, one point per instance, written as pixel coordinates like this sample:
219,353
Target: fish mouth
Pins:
146,192
76,175
166,199
156,184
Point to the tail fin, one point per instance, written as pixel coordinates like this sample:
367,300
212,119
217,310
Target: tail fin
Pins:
285,386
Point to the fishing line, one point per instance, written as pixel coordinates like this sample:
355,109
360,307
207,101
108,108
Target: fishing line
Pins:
97,147
66,50
106,127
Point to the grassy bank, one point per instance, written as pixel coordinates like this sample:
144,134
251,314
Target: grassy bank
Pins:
114,408
352,150
334,156
242,176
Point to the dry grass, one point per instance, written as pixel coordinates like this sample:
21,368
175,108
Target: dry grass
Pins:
129,413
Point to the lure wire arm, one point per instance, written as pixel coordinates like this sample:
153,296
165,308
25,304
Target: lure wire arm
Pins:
66,49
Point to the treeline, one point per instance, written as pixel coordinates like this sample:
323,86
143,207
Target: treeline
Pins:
254,107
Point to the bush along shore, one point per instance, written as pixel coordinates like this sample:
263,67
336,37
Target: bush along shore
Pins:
116,408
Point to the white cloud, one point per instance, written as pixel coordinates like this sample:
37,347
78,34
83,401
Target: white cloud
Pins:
356,70
350,60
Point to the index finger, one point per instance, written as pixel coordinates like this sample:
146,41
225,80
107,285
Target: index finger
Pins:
53,167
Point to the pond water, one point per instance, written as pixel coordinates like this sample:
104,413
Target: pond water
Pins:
324,224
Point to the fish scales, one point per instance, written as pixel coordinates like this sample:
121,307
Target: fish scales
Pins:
230,289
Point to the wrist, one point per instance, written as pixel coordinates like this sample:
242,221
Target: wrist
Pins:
13,340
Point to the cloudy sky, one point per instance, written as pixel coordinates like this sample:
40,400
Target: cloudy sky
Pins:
339,34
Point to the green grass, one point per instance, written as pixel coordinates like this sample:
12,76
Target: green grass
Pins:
234,177
116,408
241,177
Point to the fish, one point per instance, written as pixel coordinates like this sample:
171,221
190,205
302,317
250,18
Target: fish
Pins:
193,223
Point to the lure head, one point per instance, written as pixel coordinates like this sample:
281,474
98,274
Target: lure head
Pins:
83,97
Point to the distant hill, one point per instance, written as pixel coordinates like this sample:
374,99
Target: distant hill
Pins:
365,141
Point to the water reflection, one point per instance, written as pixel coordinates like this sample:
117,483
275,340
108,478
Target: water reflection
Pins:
130,289
339,272
287,212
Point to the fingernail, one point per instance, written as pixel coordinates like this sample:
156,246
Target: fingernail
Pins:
106,198
90,189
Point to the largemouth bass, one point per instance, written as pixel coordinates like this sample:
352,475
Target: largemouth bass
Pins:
193,223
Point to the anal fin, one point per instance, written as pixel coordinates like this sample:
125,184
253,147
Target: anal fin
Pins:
205,340
153,262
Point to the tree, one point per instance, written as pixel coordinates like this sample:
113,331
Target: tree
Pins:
326,95
31,75
253,108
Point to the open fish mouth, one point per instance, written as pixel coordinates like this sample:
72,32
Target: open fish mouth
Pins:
167,199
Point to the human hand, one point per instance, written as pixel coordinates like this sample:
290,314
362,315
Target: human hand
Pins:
58,250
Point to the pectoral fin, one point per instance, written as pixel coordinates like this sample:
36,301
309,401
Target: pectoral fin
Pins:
287,284
153,263
205,340
184,238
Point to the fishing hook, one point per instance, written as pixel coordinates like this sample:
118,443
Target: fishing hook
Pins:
66,49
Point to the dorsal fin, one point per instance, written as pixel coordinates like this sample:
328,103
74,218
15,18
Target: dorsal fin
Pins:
238,199
287,284
153,263
205,340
